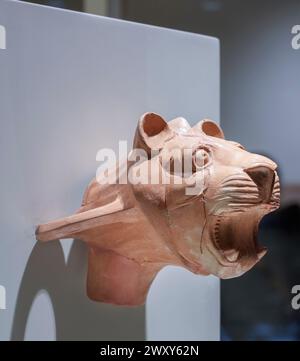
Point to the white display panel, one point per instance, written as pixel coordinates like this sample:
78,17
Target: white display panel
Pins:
71,84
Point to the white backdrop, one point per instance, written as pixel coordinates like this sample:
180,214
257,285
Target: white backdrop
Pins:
71,84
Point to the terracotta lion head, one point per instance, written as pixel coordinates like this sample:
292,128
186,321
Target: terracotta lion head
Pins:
194,200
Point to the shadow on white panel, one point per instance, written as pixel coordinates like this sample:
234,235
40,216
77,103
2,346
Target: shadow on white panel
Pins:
183,306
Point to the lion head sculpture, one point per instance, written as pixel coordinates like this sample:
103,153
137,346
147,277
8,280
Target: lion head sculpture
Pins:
197,203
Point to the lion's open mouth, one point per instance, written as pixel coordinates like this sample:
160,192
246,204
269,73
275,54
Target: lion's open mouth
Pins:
235,236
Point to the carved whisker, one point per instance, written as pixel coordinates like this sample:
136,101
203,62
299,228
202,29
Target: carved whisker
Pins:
241,204
238,183
240,190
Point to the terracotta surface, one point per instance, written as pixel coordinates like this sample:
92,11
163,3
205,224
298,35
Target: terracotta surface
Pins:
134,230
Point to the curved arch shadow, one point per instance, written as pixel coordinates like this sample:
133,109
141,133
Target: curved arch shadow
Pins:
76,317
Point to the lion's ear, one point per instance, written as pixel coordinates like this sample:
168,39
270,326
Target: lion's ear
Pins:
209,127
152,132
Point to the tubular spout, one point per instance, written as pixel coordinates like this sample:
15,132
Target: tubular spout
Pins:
72,226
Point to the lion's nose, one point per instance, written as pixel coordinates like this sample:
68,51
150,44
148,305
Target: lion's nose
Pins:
264,178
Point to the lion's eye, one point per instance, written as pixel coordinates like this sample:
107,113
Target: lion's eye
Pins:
201,158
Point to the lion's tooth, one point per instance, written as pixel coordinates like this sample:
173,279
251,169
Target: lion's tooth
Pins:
262,253
231,255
